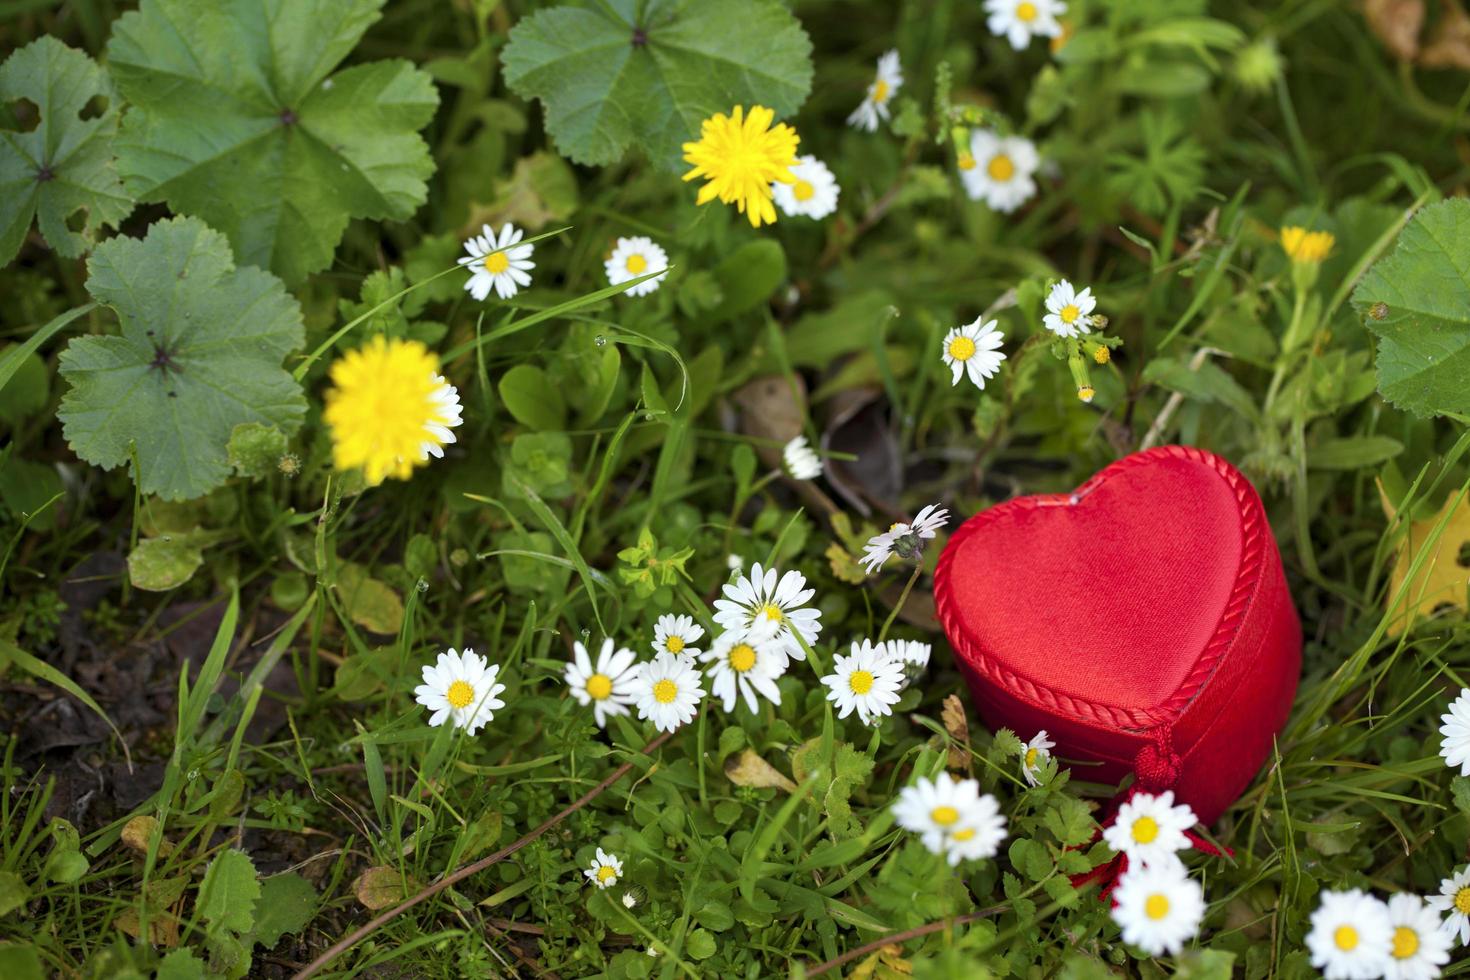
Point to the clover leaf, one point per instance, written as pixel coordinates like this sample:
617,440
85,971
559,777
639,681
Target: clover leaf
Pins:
236,118
1416,300
65,163
610,78
200,353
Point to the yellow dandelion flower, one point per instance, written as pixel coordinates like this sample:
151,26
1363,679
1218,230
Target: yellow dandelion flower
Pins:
389,409
741,156
1301,245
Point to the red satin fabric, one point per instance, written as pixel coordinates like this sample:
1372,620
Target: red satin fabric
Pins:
1143,621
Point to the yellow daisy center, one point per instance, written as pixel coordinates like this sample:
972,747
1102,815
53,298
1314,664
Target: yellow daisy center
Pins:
674,644
496,263
1346,938
967,161
381,406
860,681
1001,167
802,190
1156,906
1102,355
1026,12
460,694
1145,830
742,657
741,156
1031,756
963,835
880,91
599,686
1405,942
606,873
1070,313
962,348
1086,393
636,264
665,691
772,612
945,816
1462,901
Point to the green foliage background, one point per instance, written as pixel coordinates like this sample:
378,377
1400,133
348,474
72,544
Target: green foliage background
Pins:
330,156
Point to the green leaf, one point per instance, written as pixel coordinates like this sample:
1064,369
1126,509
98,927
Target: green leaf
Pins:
700,945
200,353
1416,300
228,894
13,892
371,604
255,450
20,961
65,164
287,903
748,276
532,399
609,80
26,488
165,562
29,387
1353,453
237,118
181,964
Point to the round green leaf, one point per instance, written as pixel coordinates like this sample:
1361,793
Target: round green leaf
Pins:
200,353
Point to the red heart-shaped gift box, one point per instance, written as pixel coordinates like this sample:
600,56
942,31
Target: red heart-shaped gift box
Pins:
1143,621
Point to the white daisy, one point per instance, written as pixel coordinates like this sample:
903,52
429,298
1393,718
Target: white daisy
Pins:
497,262
801,462
1033,754
609,687
634,257
1454,900
668,691
1351,938
1420,947
1455,744
875,105
1150,829
1067,311
999,170
745,664
912,653
630,900
813,194
1158,907
1018,21
974,350
460,688
927,522
878,550
904,540
951,817
676,635
773,605
605,869
868,680
447,415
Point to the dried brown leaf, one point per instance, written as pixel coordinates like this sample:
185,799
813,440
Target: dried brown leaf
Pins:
1397,24
958,726
749,769
382,886
1448,45
137,832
